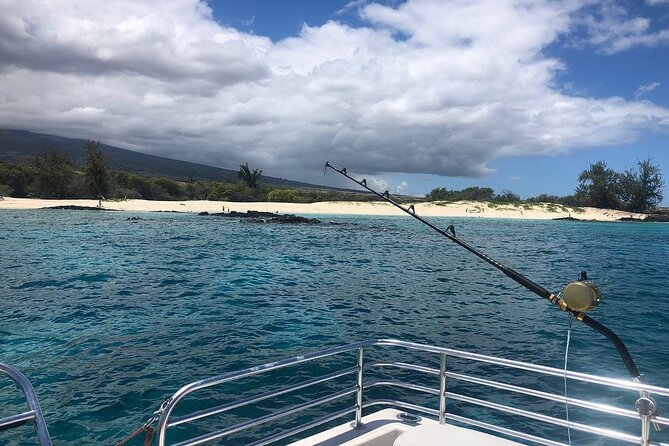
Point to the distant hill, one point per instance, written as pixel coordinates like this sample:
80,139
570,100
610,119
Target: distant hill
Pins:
19,146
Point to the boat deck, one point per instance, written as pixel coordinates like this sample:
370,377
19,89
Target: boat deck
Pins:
386,428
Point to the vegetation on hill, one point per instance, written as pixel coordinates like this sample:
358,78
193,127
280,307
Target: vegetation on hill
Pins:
53,175
20,146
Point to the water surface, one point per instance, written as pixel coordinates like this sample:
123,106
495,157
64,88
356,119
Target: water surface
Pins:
109,316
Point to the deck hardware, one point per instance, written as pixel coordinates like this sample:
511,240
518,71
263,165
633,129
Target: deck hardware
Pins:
646,407
408,417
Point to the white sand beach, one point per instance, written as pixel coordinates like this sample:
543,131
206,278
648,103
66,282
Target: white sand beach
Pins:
543,211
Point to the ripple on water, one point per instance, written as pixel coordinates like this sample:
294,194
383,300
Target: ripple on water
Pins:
109,318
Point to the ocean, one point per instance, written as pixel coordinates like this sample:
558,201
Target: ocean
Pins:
108,315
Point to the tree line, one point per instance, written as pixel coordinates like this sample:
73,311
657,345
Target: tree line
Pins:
52,175
472,194
634,190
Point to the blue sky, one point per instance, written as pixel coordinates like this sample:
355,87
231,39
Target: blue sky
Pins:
415,94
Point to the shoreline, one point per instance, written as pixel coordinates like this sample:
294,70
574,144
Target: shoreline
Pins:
538,211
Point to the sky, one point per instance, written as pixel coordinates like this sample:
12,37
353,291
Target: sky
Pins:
412,95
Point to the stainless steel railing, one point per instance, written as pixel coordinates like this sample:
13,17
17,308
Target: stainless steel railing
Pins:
34,414
168,421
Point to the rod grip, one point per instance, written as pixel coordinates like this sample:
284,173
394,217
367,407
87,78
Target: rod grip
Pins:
615,340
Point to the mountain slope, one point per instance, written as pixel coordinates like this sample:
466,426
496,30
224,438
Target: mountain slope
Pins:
19,146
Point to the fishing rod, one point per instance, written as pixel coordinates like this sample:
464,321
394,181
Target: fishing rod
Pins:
576,298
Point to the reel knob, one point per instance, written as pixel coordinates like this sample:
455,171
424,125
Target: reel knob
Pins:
581,295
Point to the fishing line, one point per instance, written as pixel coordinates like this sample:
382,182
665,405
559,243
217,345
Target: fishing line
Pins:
566,356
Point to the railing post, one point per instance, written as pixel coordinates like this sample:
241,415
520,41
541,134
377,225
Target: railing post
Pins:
33,403
645,406
442,389
358,394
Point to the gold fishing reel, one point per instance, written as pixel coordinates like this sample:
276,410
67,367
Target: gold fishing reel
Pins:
581,295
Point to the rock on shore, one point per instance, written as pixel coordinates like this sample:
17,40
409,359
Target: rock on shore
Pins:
264,217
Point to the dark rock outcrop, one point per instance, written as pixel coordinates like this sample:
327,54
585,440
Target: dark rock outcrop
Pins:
575,219
662,217
71,207
286,218
265,217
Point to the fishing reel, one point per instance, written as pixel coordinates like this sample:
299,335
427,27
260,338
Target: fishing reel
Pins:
581,295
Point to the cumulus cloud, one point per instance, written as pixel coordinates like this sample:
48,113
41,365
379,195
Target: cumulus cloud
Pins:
438,87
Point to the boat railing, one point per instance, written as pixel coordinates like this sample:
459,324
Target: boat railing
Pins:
34,413
358,386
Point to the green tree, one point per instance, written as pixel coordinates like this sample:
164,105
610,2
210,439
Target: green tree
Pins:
53,174
545,198
199,190
16,180
284,196
173,189
476,194
441,194
250,177
599,186
470,193
641,190
96,170
507,197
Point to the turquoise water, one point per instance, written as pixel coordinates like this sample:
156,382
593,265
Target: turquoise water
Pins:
108,317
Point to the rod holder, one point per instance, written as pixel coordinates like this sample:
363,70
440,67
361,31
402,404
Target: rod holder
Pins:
442,389
358,424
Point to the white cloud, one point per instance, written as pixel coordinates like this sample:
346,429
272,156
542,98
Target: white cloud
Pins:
352,5
657,2
401,188
381,184
438,87
515,178
377,183
612,29
646,88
